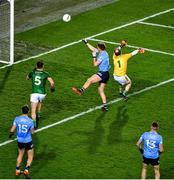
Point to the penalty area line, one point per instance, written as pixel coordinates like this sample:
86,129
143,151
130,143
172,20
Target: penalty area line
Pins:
93,109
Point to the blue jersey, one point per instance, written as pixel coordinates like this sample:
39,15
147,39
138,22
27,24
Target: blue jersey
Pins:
151,141
23,128
103,59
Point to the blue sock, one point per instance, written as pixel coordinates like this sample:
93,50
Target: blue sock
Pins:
27,167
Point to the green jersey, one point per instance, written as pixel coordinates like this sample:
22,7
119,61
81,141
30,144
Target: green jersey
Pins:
39,79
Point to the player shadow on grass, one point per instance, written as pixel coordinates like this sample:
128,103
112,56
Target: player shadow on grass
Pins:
94,137
116,127
5,78
43,154
139,84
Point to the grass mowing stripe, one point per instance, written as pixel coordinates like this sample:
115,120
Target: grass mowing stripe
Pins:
131,23
76,42
158,25
42,54
93,109
135,47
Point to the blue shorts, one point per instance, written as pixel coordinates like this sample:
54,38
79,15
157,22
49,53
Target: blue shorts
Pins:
104,76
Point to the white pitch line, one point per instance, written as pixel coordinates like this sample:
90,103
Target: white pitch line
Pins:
135,47
93,109
158,25
42,54
134,22
76,42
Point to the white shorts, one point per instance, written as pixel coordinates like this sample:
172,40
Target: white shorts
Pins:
122,80
36,97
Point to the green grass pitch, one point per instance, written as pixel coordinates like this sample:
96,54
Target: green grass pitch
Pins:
96,145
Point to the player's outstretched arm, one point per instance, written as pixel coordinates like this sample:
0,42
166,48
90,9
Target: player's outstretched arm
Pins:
92,48
139,50
52,84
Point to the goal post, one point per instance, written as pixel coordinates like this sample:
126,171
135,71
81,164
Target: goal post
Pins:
7,31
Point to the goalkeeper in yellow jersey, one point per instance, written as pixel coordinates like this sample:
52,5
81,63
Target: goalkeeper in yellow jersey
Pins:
120,68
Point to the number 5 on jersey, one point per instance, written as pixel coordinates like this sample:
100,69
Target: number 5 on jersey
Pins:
37,80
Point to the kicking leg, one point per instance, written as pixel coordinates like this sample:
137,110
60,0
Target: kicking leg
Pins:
93,79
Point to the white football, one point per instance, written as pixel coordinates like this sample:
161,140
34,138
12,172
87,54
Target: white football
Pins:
66,17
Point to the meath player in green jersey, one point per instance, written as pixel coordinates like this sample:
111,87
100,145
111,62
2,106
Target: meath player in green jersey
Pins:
39,78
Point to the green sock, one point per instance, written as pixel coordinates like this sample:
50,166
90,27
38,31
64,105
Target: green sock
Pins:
34,122
38,114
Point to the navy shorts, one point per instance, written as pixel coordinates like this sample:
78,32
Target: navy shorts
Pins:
26,146
104,76
153,162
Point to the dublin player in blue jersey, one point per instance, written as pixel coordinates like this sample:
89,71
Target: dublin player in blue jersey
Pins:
24,129
101,59
153,147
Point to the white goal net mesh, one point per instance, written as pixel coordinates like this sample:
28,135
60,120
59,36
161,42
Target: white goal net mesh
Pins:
4,31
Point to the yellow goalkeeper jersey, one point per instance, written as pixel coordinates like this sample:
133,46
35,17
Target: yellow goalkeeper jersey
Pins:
120,64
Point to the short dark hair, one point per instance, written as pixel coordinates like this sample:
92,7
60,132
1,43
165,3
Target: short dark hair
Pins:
155,124
25,109
117,51
40,64
101,45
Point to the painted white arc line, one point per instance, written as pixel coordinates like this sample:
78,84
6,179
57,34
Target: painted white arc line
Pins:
158,25
93,109
135,47
104,32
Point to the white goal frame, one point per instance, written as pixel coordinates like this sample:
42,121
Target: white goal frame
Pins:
11,60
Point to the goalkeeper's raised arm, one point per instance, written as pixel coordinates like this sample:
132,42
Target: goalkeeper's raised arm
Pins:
123,43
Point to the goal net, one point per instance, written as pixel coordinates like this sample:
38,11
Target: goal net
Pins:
7,31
